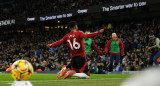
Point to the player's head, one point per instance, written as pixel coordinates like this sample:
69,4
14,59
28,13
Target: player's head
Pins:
114,36
151,36
73,25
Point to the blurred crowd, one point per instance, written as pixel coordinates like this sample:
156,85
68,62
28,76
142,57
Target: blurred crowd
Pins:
32,46
10,9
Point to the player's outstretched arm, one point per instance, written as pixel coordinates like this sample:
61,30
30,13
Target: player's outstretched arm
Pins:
96,48
122,48
82,35
107,46
57,43
102,30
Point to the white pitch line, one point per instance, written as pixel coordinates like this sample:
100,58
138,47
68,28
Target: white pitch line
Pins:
9,83
73,80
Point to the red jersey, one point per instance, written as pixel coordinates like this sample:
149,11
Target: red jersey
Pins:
74,41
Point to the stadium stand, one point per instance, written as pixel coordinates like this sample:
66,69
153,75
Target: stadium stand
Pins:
32,46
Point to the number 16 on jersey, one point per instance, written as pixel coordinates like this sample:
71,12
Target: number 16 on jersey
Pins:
73,46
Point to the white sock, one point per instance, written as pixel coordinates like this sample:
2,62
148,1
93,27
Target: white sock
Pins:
64,68
81,75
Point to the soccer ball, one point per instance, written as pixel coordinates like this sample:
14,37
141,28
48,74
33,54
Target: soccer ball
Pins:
21,70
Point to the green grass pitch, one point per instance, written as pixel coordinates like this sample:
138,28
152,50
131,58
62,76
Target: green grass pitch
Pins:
50,80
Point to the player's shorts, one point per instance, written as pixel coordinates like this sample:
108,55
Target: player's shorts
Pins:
79,63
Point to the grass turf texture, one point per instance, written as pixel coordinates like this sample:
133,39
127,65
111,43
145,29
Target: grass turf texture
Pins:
50,80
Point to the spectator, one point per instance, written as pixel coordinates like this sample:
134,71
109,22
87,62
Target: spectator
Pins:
101,68
119,68
46,69
53,67
38,52
135,65
154,48
93,68
52,50
126,67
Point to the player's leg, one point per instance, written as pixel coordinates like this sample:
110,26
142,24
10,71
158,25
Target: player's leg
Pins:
71,73
74,67
68,66
87,70
151,59
111,62
62,72
155,58
77,64
117,59
81,75
84,74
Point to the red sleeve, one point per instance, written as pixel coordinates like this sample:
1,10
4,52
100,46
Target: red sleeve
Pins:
121,46
82,35
96,48
107,46
57,42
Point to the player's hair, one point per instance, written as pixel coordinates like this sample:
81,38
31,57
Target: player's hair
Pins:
72,24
